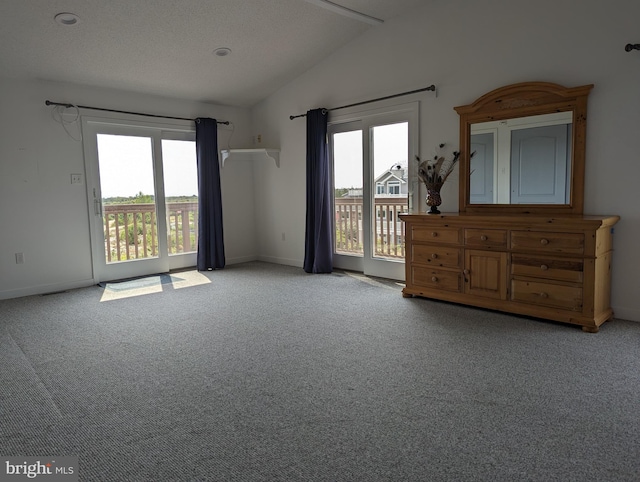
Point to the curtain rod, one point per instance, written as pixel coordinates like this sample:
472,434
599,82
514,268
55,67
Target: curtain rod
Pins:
48,102
432,87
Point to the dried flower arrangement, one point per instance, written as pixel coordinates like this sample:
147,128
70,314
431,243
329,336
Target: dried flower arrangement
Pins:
433,173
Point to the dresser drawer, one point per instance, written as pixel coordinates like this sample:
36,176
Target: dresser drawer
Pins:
560,269
489,238
435,234
547,294
446,256
435,278
548,242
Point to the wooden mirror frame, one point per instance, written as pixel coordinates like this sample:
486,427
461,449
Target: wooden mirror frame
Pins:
522,100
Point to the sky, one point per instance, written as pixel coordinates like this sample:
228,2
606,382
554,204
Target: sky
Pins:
126,166
390,146
126,162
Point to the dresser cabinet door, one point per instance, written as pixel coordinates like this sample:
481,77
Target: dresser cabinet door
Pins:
486,274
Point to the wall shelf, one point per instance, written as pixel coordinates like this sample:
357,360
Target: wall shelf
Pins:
251,155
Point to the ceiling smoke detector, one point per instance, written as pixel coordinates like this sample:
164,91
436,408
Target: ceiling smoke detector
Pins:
67,19
222,52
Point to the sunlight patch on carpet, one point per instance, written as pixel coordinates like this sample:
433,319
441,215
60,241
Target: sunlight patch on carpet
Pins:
153,284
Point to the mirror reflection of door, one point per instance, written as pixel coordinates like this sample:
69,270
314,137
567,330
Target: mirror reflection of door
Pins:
539,165
524,160
482,168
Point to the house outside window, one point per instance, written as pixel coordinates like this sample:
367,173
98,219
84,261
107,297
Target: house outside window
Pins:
379,188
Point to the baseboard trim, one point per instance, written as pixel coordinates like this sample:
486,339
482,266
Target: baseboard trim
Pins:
624,314
45,289
286,261
241,259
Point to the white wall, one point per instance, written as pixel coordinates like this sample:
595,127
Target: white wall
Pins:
467,49
45,217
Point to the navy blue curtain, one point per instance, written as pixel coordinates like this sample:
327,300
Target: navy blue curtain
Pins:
210,234
318,249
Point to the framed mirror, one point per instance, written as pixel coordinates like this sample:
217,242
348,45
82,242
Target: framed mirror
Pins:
529,144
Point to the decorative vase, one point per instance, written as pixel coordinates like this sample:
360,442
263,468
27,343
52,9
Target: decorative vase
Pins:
433,201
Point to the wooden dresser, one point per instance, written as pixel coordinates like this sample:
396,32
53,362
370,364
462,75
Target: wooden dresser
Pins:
557,268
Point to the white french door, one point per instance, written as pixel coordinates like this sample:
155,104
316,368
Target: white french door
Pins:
142,186
371,155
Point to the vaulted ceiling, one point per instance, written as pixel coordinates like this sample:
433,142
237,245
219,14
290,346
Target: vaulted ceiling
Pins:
166,47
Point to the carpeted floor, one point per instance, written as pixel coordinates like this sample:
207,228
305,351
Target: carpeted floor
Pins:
263,372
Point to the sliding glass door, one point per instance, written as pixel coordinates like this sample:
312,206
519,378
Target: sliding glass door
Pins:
345,146
370,161
142,183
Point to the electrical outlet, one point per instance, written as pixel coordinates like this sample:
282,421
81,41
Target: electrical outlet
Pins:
259,138
19,258
76,178
283,236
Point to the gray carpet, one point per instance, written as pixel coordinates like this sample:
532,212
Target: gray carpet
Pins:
268,373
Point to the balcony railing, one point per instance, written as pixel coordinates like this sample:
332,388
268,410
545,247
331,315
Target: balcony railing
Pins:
389,231
131,230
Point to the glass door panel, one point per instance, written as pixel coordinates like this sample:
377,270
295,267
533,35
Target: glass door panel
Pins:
390,147
347,181
388,186
129,215
181,195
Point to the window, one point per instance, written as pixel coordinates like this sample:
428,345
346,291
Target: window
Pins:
379,188
393,187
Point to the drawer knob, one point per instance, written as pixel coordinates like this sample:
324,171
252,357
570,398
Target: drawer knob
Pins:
544,267
544,295
466,271
434,256
544,242
483,237
434,234
434,279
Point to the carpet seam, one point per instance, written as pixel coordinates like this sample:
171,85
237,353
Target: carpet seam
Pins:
39,380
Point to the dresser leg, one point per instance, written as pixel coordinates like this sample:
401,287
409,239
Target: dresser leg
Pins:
406,295
590,329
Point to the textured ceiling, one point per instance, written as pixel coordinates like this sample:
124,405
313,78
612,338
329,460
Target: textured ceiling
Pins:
165,47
